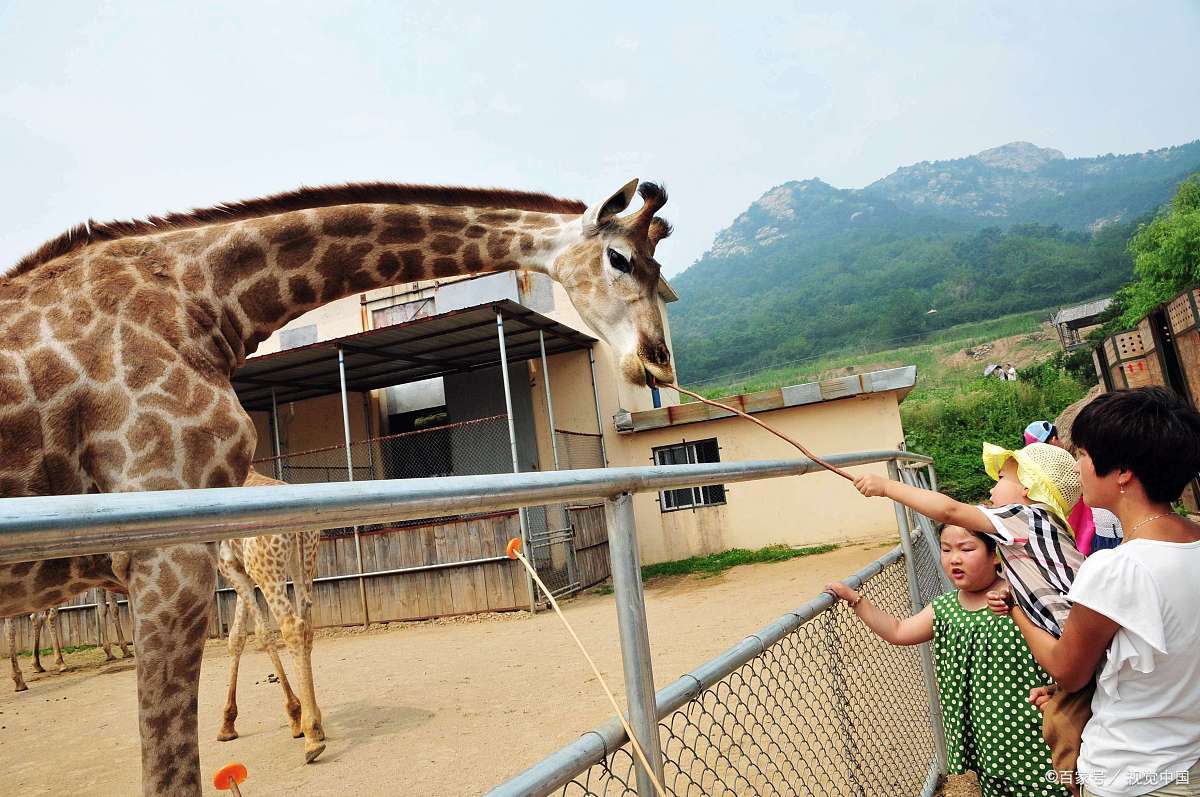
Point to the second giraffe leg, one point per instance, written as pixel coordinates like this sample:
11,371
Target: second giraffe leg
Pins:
102,611
241,582
116,614
237,643
37,618
18,679
293,629
56,635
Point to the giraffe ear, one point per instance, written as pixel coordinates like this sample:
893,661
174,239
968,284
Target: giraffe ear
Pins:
601,212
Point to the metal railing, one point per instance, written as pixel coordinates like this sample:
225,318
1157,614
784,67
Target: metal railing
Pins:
711,750
812,704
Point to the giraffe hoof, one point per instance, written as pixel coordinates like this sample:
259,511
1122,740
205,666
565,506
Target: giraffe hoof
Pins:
21,688
227,736
38,668
311,751
110,657
297,733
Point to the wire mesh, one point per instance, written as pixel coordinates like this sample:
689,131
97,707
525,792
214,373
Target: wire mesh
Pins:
829,710
578,450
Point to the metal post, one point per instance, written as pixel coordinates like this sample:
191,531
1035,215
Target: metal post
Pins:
596,399
516,464
278,452
635,639
370,434
927,668
362,585
549,400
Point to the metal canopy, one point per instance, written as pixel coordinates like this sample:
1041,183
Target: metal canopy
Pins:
448,343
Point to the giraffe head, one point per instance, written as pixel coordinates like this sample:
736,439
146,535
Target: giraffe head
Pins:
611,275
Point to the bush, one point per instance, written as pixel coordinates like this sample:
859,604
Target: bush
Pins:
952,430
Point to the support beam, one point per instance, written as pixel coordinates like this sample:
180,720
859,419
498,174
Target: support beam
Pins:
516,464
276,449
549,399
926,650
635,637
596,399
362,586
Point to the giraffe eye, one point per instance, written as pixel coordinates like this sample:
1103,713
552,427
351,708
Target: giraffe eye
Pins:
619,261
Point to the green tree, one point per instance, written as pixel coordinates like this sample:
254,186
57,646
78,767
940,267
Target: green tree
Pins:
1166,254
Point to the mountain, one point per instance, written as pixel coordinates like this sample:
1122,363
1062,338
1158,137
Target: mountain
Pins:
809,268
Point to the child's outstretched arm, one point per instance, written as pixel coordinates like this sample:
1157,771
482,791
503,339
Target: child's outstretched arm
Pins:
934,506
909,631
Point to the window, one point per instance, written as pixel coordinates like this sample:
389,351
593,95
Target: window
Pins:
300,336
400,313
690,454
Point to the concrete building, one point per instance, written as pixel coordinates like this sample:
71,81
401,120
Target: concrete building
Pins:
424,395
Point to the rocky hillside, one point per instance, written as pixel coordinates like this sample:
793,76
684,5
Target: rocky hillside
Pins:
808,267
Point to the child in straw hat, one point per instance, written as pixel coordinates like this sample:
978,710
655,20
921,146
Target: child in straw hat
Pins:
1036,488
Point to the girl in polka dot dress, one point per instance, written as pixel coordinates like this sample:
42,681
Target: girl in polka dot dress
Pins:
984,672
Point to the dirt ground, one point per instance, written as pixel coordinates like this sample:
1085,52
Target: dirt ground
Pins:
437,708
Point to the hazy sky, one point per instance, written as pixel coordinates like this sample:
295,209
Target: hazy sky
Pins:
112,110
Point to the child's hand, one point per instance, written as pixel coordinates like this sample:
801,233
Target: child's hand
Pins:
839,590
1000,601
872,485
1040,695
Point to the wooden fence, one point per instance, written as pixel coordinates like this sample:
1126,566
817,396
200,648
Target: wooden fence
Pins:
438,576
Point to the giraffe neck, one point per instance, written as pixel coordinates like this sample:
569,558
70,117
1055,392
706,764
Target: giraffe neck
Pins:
262,273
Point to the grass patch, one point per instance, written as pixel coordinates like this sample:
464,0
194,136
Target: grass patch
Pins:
67,649
711,565
936,376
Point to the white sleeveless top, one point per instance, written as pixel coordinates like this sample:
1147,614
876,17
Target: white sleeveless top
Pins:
1145,724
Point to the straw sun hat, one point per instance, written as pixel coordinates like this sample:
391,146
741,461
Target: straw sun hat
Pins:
1047,471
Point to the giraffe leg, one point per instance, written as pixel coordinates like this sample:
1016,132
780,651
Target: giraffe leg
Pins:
37,618
294,631
116,614
171,593
56,635
241,583
237,643
18,679
102,610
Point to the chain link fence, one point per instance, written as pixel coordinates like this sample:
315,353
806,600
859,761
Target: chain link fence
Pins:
814,704
578,450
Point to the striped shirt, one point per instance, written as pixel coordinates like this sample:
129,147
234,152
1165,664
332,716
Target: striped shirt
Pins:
1040,560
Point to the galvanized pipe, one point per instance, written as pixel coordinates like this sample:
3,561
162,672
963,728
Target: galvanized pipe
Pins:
47,527
635,638
596,400
926,650
278,451
549,399
362,586
512,442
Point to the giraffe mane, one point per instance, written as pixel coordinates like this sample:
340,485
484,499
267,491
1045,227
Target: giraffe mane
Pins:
303,198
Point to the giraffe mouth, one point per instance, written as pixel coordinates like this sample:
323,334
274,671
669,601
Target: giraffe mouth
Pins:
651,382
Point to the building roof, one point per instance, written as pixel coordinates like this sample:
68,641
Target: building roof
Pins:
1081,314
448,343
901,380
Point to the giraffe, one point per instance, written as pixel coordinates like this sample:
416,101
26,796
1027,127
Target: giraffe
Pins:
49,617
38,618
118,342
267,561
106,603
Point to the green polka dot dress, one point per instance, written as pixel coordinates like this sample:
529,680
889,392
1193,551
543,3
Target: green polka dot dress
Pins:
984,674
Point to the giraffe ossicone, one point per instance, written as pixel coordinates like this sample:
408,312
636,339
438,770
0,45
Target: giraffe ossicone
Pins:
118,342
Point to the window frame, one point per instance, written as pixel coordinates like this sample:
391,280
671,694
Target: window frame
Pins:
694,452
